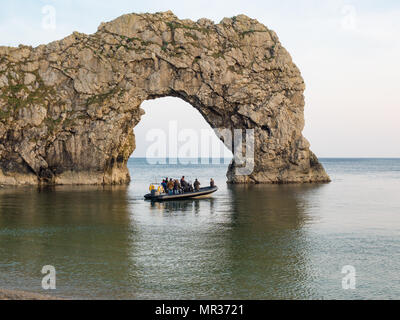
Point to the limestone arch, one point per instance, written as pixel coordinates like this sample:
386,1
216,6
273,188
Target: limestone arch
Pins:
68,108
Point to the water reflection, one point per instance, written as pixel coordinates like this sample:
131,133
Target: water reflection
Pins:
269,251
184,206
83,231
245,242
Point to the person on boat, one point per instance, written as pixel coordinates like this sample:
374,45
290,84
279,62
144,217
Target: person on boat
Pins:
196,185
212,183
184,184
164,185
177,186
170,186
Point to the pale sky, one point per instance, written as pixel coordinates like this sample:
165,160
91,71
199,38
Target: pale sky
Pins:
347,52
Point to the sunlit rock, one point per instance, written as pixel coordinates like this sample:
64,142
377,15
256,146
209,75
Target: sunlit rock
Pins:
68,109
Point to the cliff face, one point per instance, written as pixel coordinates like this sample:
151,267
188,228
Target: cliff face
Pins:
68,109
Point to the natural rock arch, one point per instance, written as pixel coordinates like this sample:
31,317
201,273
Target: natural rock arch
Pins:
67,109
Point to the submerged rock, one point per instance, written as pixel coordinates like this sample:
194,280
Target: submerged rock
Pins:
68,109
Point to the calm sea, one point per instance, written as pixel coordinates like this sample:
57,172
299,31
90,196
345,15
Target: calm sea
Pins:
247,242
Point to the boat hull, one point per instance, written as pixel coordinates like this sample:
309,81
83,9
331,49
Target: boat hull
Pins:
202,193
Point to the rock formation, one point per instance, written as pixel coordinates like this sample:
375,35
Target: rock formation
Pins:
68,108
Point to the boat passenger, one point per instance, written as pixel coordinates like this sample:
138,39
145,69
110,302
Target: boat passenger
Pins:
196,185
212,183
177,186
170,186
184,184
164,185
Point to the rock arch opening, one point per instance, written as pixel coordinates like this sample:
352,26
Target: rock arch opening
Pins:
173,131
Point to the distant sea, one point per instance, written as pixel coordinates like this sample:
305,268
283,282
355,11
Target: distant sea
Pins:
246,242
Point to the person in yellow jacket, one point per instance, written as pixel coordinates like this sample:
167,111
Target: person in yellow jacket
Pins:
170,185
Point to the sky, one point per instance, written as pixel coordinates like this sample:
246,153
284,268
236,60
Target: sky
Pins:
348,53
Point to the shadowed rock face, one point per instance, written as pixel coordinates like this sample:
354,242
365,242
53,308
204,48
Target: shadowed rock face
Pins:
68,109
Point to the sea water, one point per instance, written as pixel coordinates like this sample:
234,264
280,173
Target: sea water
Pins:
246,242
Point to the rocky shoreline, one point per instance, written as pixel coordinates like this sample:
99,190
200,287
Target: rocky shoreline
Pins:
24,295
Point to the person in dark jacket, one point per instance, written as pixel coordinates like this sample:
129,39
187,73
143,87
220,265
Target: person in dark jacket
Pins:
164,185
212,183
196,185
184,184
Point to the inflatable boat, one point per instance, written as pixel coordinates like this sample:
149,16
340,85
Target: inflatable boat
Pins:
202,193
